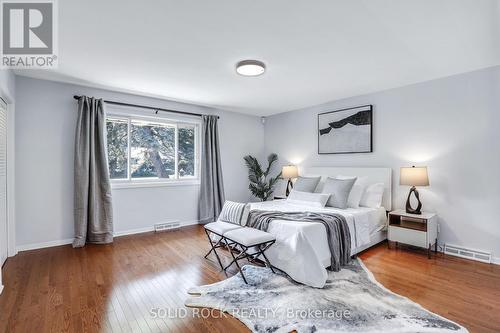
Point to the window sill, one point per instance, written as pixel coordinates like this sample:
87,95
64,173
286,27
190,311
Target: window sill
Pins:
124,185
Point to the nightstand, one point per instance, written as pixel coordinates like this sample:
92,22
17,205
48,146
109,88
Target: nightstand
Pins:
417,230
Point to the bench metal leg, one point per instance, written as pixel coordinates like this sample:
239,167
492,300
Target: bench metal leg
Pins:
214,248
265,258
261,248
241,255
211,243
238,265
232,247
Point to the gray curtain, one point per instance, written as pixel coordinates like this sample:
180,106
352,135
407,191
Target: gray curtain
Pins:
212,186
93,212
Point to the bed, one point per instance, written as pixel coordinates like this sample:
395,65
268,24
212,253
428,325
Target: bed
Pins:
301,249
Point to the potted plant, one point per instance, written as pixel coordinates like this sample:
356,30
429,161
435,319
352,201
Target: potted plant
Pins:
261,184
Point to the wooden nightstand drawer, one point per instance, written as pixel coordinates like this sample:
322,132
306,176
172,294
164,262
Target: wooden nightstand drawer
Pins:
408,236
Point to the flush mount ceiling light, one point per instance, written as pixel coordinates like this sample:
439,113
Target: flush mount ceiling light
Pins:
250,68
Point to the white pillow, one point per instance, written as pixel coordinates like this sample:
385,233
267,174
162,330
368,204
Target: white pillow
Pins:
280,188
232,212
372,197
244,217
317,200
339,190
356,192
306,184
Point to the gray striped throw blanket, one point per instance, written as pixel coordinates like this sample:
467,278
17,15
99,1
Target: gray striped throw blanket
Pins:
337,230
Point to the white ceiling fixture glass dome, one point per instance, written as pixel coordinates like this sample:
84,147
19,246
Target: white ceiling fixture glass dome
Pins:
250,68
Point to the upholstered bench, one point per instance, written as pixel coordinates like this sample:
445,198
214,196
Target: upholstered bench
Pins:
218,228
231,233
248,239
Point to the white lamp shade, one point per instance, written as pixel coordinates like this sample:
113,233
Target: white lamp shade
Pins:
289,171
414,176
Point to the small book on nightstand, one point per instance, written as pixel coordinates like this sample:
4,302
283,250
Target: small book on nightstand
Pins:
417,230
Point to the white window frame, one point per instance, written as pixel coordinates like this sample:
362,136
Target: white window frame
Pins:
130,182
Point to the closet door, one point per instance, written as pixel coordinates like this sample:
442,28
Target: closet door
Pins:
3,181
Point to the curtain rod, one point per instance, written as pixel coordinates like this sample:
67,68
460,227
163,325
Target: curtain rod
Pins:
150,108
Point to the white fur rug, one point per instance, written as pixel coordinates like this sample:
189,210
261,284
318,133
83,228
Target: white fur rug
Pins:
351,301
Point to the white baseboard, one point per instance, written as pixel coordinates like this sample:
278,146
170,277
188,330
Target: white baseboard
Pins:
43,245
1,289
35,246
149,229
188,223
495,260
133,231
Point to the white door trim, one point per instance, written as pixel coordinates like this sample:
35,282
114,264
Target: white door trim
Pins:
11,203
11,195
4,244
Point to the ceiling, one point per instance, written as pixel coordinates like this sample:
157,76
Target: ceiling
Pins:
315,51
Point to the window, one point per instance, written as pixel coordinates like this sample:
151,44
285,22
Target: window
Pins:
151,151
117,148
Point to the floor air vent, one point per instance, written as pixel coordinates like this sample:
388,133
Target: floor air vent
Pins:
167,226
467,253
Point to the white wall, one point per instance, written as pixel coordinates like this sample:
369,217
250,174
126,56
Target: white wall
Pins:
45,125
452,125
7,85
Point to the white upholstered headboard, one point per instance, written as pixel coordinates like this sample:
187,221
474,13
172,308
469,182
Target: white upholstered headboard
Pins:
373,175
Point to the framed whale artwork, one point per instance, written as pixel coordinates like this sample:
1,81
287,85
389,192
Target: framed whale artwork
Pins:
346,131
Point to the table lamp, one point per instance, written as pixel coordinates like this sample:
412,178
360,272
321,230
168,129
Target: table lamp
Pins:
289,172
414,176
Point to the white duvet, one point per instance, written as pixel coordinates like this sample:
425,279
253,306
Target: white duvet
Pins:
301,249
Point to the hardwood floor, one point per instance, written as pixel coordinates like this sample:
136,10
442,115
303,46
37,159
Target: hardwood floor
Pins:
117,287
